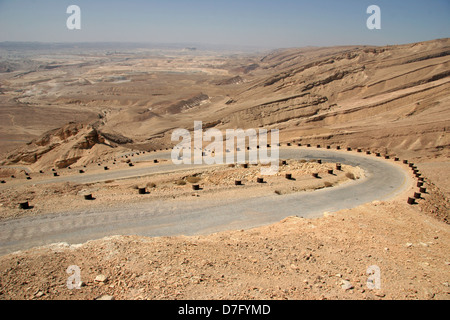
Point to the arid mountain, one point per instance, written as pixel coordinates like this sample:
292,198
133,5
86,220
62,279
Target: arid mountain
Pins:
393,99
61,148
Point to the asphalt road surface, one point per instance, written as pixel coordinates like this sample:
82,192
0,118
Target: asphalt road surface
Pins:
383,180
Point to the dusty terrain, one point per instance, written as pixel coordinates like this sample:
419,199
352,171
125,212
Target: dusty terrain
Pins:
393,99
294,259
216,182
75,110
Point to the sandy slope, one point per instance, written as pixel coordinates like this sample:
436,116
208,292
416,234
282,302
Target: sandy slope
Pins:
394,98
294,259
324,258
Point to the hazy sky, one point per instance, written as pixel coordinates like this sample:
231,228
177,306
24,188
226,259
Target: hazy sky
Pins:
263,23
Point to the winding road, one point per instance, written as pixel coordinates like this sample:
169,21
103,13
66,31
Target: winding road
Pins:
383,180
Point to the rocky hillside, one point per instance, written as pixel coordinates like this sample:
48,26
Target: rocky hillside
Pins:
63,147
393,99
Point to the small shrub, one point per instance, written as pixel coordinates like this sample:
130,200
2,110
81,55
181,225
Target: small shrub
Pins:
327,184
350,175
193,179
151,185
180,182
278,192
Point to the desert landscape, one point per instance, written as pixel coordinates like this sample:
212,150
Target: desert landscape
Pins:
363,176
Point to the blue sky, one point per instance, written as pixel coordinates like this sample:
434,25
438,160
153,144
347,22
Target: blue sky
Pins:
261,23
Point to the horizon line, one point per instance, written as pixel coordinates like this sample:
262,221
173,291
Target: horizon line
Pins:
202,44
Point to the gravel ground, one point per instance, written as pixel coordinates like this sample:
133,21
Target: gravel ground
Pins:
324,258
